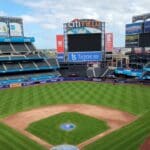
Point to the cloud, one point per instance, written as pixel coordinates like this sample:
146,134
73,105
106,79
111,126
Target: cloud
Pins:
51,14
2,13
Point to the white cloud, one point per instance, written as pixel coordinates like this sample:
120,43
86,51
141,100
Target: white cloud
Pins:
51,14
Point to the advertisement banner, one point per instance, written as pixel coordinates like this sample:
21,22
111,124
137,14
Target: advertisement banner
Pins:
84,56
4,29
147,27
15,29
14,85
109,42
134,28
60,43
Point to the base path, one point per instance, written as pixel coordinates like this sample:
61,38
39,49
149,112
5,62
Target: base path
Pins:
146,145
114,118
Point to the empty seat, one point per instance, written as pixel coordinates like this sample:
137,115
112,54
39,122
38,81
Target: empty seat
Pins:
5,47
20,47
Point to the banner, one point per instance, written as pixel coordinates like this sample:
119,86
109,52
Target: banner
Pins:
109,42
134,28
84,56
15,29
60,43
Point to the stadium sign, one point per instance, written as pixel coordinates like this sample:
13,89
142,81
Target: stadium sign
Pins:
78,23
84,56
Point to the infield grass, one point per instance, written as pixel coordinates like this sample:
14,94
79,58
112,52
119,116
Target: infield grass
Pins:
49,128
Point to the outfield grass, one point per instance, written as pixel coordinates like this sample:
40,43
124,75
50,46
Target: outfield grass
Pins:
132,98
49,128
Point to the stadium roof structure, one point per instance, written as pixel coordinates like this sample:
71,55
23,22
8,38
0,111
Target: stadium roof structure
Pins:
141,17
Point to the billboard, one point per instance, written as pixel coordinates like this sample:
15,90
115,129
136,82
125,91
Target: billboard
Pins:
132,40
84,56
60,43
147,27
15,29
4,31
109,42
134,28
10,26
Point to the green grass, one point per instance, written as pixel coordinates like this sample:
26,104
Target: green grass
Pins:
127,138
12,140
131,98
49,128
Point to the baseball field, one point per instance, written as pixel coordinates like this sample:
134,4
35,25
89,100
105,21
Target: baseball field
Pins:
129,101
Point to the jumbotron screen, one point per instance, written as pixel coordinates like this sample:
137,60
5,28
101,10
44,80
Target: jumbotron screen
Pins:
84,42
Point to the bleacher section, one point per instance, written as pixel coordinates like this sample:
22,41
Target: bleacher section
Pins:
22,58
20,47
28,65
30,46
5,48
12,66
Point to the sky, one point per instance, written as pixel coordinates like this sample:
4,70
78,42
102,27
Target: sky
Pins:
43,19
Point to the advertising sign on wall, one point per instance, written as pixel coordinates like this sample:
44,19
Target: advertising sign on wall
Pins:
134,28
4,29
109,42
60,57
60,43
15,29
84,56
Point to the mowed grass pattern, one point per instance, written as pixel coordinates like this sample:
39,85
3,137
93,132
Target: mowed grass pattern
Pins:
49,128
132,98
128,138
12,140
